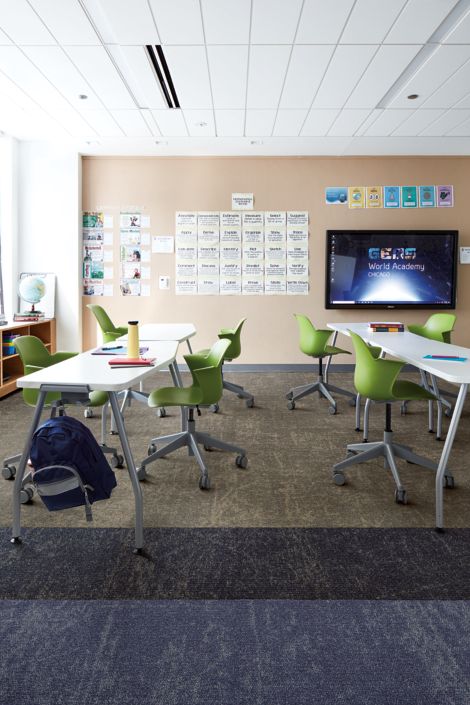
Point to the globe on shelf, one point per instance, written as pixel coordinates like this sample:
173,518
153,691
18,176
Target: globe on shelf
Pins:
32,289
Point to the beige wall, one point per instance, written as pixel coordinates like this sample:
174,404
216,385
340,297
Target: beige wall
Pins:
160,186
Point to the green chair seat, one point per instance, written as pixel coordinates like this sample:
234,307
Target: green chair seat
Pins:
175,396
332,350
109,331
404,389
439,327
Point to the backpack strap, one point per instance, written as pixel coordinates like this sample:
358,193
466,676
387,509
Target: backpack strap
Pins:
50,489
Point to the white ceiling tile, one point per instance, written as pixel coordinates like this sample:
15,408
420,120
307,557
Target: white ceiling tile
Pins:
289,123
97,68
21,23
306,68
227,68
417,122
319,25
178,22
267,70
27,125
226,22
453,90
386,66
461,32
318,122
387,122
347,123
66,20
4,41
200,123
464,103
188,68
446,123
435,71
230,123
131,122
406,146
103,123
75,124
259,123
170,122
461,130
373,115
274,21
135,66
370,21
345,70
120,22
60,71
418,21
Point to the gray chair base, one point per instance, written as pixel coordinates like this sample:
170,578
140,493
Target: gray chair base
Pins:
240,392
323,388
191,439
390,451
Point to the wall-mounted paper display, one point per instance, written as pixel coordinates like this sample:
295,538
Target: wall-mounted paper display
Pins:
144,238
108,272
130,287
275,236
253,219
186,269
186,236
108,290
253,235
230,235
130,220
144,289
207,235
296,269
253,285
445,196
108,238
230,252
186,219
253,252
297,236
187,285
242,201
274,218
427,197
208,219
274,269
163,244
230,268
228,219
373,197
275,285
186,252
108,255
252,269
208,285
409,197
297,252
356,196
145,221
208,268
94,235
464,255
145,255
336,195
130,237
297,218
93,287
297,286
108,221
230,285
144,272
391,197
275,252
93,220
209,252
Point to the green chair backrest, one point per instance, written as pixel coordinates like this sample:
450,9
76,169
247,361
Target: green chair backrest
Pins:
312,340
235,348
439,327
374,377
34,355
208,379
109,330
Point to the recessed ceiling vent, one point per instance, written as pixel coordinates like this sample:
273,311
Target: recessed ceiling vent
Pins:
162,72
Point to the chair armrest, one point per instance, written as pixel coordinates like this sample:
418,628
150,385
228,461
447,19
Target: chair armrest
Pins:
195,360
122,330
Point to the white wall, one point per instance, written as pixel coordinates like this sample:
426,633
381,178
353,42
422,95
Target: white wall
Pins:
49,210
9,220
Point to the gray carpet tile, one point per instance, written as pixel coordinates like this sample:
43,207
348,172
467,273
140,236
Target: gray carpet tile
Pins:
288,480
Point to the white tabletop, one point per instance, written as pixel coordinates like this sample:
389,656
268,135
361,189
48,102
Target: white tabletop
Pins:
165,331
412,349
95,372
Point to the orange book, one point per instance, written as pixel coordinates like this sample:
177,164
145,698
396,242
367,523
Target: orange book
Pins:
132,361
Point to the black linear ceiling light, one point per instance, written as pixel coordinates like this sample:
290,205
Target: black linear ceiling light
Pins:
162,72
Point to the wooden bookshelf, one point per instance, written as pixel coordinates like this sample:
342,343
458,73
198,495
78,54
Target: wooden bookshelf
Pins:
10,365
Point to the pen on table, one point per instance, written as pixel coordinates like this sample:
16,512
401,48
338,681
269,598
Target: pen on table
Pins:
114,347
444,357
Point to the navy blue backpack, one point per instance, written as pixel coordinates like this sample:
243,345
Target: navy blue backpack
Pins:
70,468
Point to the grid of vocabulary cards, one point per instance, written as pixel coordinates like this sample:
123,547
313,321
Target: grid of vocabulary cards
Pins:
232,253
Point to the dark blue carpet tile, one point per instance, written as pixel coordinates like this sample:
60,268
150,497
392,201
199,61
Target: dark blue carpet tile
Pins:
237,564
235,653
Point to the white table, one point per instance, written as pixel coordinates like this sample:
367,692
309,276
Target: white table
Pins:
75,378
412,348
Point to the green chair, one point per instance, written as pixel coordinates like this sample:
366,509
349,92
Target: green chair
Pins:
109,330
376,379
206,389
233,351
35,356
314,342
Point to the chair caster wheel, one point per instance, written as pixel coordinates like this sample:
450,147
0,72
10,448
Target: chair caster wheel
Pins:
88,413
26,495
208,449
16,540
151,449
449,482
214,408
8,472
161,412
289,395
141,474
204,482
448,413
117,461
250,403
352,402
357,429
138,551
332,410
339,479
241,461
291,405
400,497
114,433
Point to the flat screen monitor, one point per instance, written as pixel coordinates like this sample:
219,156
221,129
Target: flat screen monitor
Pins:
391,268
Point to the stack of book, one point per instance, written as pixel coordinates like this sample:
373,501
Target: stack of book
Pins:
387,327
8,344
29,316
119,362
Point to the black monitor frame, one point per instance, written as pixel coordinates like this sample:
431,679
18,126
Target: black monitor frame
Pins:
384,306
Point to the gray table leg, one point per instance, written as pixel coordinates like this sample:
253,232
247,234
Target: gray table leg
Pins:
16,529
139,513
189,346
454,422
328,359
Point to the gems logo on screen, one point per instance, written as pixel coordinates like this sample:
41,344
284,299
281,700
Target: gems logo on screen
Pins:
385,260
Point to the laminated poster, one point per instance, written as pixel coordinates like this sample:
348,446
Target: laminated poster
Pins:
211,252
253,235
242,201
186,236
132,253
253,252
186,269
108,272
273,218
374,197
108,256
297,286
228,235
275,235
108,238
108,223
92,287
253,219
186,285
230,285
252,285
275,285
427,197
356,196
144,273
145,238
336,195
108,290
297,269
186,219
130,287
391,197
145,221
228,219
274,269
297,252
130,220
409,197
445,196
297,236
93,220
252,269
230,253
144,289
93,235
145,255
208,219
163,244
130,270
208,285
130,237
275,252
230,269
207,268
297,218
